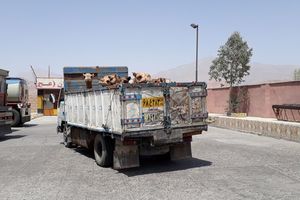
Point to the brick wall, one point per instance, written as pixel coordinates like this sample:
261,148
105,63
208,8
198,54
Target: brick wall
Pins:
260,97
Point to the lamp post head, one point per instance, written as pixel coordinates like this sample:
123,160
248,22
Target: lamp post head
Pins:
194,25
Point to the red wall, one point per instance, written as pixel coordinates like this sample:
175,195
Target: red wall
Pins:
261,97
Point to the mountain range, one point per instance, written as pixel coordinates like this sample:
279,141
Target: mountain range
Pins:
259,73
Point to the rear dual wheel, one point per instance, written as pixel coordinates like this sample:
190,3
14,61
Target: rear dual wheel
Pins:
66,136
103,150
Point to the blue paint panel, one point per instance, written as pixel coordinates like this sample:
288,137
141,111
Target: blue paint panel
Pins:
74,80
79,85
129,97
76,70
121,74
81,70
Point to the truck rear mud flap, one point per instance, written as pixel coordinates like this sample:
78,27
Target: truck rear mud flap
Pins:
181,151
125,156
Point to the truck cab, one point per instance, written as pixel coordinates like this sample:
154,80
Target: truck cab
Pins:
5,112
17,98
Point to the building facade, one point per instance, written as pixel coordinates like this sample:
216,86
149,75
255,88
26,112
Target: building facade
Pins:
44,95
49,91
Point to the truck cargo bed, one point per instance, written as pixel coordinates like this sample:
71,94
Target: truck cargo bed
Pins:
138,109
125,121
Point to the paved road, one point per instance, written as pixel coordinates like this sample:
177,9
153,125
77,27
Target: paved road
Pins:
226,165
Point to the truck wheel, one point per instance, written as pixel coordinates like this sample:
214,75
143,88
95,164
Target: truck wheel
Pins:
16,118
103,151
66,136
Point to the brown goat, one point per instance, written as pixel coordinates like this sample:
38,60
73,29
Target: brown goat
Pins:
113,79
141,77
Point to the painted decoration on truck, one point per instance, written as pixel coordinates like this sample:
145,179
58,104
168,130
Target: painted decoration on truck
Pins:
179,105
197,103
132,110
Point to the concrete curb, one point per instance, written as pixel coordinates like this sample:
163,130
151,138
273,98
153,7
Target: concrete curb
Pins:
259,126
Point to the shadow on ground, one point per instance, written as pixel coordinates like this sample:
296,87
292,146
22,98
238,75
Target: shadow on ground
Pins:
153,164
17,128
84,152
14,130
28,125
160,164
9,137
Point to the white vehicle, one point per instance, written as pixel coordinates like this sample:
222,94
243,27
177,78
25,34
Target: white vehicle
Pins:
122,123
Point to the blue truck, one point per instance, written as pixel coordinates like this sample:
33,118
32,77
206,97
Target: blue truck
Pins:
121,123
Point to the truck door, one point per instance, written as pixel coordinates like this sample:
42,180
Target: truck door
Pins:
144,108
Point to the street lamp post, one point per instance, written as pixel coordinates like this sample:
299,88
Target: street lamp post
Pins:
195,26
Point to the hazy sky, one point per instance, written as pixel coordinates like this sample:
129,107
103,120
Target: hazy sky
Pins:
148,35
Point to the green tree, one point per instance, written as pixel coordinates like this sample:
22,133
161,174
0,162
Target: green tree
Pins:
232,63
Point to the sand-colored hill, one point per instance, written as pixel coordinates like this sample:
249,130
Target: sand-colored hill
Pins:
259,73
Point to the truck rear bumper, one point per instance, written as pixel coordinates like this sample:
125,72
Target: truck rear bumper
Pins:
166,136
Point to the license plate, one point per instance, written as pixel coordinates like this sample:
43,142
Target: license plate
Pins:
152,102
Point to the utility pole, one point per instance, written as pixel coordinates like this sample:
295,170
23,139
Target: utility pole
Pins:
35,77
48,71
195,26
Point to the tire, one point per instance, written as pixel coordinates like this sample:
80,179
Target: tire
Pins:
16,118
103,151
66,138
